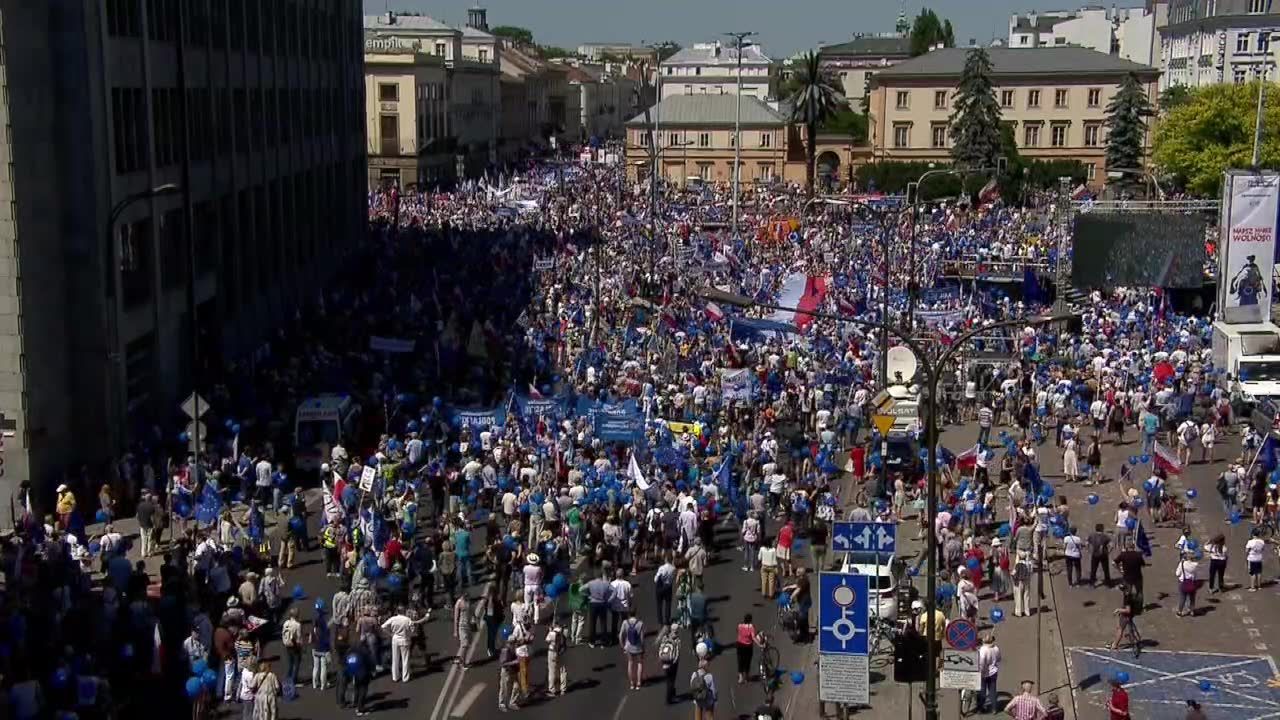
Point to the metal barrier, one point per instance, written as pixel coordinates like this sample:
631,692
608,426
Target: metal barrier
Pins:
1122,206
993,269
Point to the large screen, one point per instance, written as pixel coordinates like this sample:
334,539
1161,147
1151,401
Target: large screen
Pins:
1145,249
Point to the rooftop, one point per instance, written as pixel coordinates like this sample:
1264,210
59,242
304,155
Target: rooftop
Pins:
392,21
1041,24
716,54
710,110
870,46
1065,60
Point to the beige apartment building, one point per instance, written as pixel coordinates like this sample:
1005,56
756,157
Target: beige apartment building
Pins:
1054,98
407,115
696,133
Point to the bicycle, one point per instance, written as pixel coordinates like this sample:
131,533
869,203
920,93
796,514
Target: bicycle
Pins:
1131,634
883,633
770,658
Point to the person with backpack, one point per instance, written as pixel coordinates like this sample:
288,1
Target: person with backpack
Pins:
669,655
702,688
557,670
631,638
1022,584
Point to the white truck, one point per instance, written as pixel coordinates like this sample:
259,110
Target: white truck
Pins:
1250,352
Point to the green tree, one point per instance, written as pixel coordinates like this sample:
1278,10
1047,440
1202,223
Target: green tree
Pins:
1126,122
1213,132
546,52
848,123
814,101
975,123
666,49
517,35
1174,96
928,30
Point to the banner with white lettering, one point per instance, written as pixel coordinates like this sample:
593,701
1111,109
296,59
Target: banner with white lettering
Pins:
1249,209
735,384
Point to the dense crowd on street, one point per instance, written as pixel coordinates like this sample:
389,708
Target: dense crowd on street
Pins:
575,424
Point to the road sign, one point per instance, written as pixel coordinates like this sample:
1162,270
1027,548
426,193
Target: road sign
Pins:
882,423
960,670
873,537
843,614
844,679
962,635
193,403
905,410
191,434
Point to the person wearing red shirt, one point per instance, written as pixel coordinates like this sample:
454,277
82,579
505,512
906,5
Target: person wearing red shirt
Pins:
786,536
393,551
1118,703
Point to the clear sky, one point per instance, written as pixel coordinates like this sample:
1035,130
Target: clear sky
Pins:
784,26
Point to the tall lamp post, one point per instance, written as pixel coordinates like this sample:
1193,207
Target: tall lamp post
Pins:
932,370
113,262
739,42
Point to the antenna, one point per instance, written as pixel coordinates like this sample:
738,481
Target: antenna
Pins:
902,365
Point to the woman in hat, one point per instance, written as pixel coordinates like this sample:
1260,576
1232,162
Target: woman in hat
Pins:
532,583
65,505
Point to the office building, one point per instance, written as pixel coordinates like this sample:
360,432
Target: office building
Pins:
1054,99
95,330
712,69
854,62
1205,42
407,139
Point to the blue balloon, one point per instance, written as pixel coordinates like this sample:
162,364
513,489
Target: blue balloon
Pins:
95,547
1131,523
551,591
199,666
101,516
784,600
352,664
1122,677
1133,459
1191,493
183,437
797,677
61,677
997,615
1234,518
505,631
194,686
1093,499
1206,686
560,581
296,524
1145,459
298,592
210,678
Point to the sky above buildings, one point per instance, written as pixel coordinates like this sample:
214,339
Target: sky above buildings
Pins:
784,26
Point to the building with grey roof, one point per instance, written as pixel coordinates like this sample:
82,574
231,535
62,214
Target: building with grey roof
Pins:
712,69
854,62
1207,42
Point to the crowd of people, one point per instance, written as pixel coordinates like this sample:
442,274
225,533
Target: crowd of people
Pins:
573,416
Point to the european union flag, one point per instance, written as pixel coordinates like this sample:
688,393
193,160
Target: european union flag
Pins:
210,505
1143,542
1267,453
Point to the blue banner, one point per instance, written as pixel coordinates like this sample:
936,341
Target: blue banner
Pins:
481,417
553,408
618,423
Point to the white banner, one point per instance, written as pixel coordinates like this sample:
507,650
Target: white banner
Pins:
735,384
1249,209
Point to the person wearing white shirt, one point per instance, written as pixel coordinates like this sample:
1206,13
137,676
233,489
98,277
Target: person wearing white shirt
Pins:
1253,551
989,671
401,627
1072,546
621,603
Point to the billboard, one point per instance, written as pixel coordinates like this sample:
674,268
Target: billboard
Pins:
1250,203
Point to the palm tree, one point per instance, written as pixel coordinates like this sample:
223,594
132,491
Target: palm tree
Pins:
814,100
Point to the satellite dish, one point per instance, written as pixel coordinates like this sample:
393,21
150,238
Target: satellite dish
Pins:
901,365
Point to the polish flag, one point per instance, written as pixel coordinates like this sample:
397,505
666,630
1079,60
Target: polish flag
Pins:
534,394
967,460
1166,460
714,312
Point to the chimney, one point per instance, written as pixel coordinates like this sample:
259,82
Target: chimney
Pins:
390,17
477,18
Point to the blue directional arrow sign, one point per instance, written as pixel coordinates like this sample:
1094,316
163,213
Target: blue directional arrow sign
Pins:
843,614
874,537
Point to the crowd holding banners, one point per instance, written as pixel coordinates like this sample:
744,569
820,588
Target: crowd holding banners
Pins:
555,429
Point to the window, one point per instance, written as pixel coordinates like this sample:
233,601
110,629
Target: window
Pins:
672,139
1058,135
1033,98
766,139
1242,42
902,135
939,99
1092,132
484,54
704,139
705,171
129,129
1264,42
1060,98
124,18
688,89
1006,98
1095,97
764,172
1091,170
440,49
1031,136
1024,39
903,99
162,20
388,92
938,137
389,134
1237,76
1257,7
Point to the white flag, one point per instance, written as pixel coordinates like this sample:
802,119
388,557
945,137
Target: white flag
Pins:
633,472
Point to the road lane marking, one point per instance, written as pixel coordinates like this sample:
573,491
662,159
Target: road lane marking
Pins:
1189,675
618,713
452,693
444,691
460,710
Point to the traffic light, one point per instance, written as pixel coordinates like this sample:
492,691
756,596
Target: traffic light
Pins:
910,657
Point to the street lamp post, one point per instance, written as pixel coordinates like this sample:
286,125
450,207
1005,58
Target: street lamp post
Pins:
739,39
932,370
115,407
1262,97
